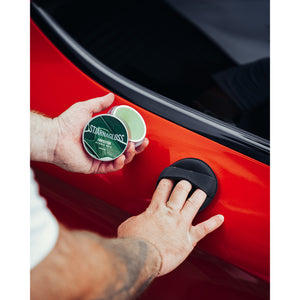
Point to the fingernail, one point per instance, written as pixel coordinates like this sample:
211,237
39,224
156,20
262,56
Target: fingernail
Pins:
110,94
221,217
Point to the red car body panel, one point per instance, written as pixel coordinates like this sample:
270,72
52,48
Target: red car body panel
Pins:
232,262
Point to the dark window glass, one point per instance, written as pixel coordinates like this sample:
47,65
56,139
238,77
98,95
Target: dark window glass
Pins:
182,53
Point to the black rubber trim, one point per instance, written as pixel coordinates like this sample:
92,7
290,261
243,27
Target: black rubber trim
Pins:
197,172
216,130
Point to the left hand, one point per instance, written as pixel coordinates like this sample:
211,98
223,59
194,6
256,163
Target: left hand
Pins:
69,152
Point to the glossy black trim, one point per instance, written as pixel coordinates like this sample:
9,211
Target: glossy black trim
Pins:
216,130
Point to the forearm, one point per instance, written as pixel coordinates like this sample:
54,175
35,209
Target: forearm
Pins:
136,263
43,138
86,266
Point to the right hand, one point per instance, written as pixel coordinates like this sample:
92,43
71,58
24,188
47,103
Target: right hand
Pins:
167,223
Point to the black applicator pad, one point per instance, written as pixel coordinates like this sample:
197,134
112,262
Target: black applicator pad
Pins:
197,172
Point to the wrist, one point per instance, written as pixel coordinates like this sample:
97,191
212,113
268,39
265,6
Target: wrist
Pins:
157,257
43,138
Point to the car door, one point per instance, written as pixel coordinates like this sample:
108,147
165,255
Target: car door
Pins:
233,262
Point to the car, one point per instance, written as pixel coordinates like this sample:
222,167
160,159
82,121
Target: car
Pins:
158,62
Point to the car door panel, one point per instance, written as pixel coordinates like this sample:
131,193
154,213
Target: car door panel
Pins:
243,191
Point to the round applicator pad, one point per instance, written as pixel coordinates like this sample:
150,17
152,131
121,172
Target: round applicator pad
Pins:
197,172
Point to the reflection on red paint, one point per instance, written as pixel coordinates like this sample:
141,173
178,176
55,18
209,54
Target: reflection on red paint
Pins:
242,196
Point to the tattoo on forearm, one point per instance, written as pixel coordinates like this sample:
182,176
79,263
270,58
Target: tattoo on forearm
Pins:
145,285
129,266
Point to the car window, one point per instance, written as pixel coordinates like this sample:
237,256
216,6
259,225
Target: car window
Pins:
159,48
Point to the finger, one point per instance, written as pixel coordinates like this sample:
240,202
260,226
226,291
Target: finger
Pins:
129,153
179,195
192,205
112,166
142,147
98,104
118,164
199,231
162,193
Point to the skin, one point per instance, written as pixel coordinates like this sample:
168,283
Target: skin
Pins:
167,223
59,140
84,265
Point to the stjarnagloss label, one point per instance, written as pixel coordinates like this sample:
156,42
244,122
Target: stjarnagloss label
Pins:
105,137
104,133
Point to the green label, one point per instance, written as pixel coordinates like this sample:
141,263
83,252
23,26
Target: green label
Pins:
105,137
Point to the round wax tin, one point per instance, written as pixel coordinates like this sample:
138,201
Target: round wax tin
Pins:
133,121
105,137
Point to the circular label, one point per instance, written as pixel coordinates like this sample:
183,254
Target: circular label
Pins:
105,137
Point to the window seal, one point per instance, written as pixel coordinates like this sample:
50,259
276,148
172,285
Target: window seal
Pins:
235,138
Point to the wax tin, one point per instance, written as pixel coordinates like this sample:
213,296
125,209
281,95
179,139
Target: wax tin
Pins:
133,121
105,137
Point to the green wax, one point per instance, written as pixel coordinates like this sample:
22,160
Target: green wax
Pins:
133,122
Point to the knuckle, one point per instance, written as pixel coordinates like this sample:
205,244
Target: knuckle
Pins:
206,228
152,208
171,212
165,183
210,225
193,203
77,105
184,185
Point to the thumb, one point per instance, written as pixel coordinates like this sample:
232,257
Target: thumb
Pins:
201,230
98,104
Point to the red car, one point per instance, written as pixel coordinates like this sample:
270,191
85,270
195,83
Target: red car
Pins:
156,61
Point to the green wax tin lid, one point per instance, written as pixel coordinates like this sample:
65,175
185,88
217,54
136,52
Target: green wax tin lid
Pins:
105,137
133,121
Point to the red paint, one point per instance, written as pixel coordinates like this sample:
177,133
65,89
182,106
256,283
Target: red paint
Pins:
243,192
200,274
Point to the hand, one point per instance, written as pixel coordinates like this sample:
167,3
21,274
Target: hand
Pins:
69,152
167,223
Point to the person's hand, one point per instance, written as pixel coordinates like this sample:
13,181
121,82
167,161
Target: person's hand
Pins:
69,152
167,223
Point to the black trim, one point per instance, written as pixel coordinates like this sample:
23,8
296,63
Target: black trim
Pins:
216,130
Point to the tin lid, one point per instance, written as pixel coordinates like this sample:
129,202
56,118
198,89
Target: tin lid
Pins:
133,120
105,137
